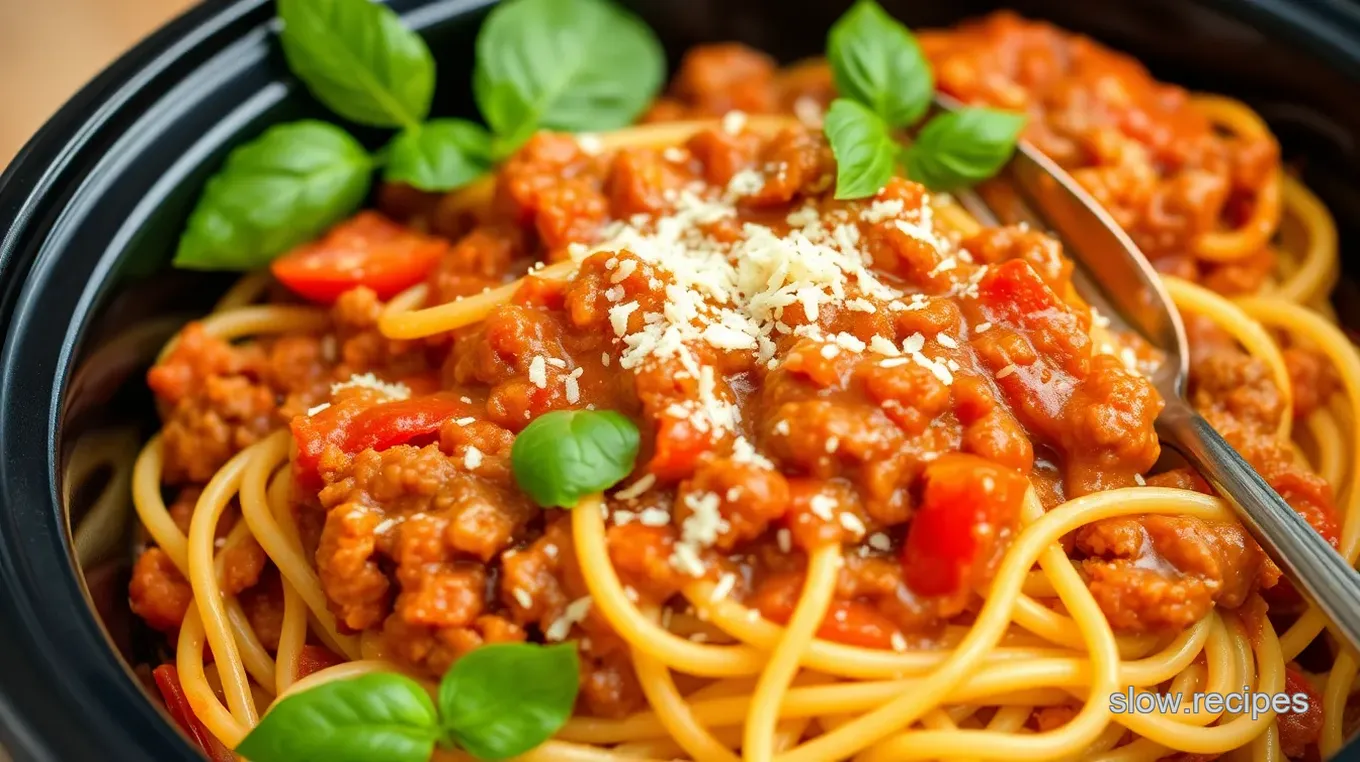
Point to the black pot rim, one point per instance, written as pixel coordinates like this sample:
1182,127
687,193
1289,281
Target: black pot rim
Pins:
64,692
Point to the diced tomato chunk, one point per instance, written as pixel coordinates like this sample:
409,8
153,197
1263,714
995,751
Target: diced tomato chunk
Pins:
313,659
366,250
177,704
1014,294
1299,730
359,423
853,623
678,447
969,505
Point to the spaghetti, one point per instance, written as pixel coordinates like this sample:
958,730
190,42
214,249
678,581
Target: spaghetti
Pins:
741,596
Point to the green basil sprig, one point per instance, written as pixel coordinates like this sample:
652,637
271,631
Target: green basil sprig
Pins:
358,59
876,61
560,64
497,702
887,84
565,455
572,66
959,148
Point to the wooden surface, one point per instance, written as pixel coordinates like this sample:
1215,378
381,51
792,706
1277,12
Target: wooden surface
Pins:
49,48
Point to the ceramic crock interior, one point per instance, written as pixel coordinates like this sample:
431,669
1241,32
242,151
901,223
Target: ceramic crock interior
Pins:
133,301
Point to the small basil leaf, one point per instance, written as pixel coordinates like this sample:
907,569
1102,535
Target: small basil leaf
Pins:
573,65
502,700
380,716
565,455
875,60
358,59
439,155
865,152
281,189
963,147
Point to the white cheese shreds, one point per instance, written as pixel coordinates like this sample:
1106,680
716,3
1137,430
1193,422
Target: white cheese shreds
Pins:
396,391
686,560
472,458
747,182
880,541
674,154
947,341
982,327
589,143
654,517
1006,371
852,523
822,505
573,389
733,122
785,539
465,421
1139,480
561,627
636,489
313,411
724,587
523,598
538,372
899,643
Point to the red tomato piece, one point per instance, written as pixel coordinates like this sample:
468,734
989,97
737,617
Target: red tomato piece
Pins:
678,447
853,623
313,659
357,424
1014,294
1299,730
177,704
967,507
366,250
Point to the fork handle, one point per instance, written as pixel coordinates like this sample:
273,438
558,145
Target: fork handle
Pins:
1314,567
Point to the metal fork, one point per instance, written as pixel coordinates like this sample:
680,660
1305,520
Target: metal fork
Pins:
1114,275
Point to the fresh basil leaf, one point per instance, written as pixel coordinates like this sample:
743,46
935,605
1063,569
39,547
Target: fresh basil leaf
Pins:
358,59
439,155
865,152
573,65
963,147
502,700
565,455
380,717
875,60
281,189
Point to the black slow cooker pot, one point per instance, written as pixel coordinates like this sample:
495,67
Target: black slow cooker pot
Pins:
90,211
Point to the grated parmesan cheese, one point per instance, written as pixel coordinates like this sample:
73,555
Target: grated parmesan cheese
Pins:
636,489
396,391
733,122
724,587
561,627
538,372
590,143
472,458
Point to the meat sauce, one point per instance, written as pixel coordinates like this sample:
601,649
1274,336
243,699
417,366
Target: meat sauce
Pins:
916,457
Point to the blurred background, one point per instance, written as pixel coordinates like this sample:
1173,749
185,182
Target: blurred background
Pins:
50,48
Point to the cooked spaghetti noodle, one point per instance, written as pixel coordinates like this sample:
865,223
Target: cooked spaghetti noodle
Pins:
882,369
